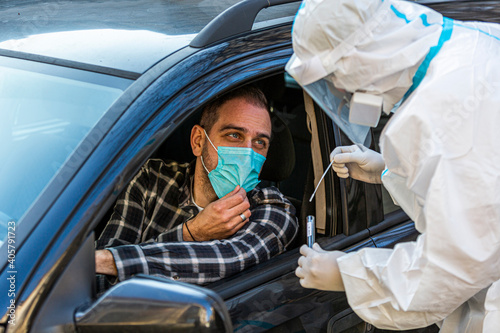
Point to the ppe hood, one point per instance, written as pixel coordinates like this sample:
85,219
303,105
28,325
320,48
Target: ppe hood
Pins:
373,46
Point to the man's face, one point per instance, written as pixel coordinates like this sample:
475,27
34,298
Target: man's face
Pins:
239,124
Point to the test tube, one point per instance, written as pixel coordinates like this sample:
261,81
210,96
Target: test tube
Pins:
311,230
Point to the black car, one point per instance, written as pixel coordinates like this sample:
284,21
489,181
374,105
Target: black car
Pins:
89,90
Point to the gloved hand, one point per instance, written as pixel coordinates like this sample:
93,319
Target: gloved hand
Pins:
364,165
318,269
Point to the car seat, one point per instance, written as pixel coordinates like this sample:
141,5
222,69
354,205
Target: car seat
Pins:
280,160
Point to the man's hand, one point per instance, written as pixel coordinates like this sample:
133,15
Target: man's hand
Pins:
318,269
220,219
364,165
105,263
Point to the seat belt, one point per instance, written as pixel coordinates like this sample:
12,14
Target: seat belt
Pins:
320,199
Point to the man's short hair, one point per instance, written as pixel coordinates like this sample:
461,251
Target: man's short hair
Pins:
251,94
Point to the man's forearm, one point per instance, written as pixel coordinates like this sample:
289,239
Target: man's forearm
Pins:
270,227
105,263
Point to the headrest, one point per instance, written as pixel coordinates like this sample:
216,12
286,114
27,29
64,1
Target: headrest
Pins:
281,155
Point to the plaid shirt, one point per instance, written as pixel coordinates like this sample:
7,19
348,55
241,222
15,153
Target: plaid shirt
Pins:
145,230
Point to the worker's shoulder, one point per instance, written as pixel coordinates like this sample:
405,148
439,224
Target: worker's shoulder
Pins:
166,167
270,195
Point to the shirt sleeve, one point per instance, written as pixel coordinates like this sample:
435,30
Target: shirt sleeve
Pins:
272,226
125,225
174,234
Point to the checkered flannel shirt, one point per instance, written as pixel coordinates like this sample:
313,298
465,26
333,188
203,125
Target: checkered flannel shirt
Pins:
144,233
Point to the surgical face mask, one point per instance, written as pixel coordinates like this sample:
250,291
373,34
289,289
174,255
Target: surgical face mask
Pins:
235,166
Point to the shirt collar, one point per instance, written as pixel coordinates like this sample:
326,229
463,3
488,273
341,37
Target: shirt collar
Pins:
185,193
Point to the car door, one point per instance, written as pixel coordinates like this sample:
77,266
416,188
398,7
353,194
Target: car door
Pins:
55,290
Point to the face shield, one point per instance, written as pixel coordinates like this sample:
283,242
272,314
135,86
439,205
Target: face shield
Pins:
354,113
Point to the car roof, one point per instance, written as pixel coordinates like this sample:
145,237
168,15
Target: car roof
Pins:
125,35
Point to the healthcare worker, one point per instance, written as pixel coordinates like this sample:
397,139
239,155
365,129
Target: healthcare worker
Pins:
440,156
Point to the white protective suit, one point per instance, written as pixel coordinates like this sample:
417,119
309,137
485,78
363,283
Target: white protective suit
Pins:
441,149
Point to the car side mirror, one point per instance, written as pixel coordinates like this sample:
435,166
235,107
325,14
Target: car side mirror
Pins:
152,304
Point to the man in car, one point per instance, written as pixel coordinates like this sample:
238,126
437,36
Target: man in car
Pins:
203,221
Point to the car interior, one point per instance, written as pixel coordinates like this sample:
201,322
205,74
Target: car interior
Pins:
288,165
295,161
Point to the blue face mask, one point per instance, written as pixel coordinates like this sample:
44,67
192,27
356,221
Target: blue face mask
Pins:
236,166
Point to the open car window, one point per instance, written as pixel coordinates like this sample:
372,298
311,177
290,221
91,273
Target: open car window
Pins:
289,159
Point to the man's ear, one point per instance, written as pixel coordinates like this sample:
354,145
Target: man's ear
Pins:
197,140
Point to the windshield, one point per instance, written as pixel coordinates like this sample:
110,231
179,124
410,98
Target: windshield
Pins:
43,117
